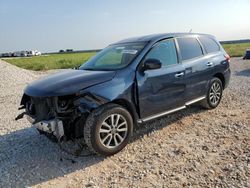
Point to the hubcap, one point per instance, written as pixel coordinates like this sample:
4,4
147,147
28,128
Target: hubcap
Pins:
113,131
215,93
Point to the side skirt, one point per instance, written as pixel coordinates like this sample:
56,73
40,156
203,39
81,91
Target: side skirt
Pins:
171,111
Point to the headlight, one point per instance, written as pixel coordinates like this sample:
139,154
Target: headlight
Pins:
65,102
62,103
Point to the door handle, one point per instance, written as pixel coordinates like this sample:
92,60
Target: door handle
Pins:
179,74
210,64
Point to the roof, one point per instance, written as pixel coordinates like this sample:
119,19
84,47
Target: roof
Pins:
155,37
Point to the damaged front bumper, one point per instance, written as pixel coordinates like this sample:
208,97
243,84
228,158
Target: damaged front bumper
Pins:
62,117
53,126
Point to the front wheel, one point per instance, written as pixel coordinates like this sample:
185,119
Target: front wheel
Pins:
108,129
214,94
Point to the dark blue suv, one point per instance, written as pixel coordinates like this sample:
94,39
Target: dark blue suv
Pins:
130,82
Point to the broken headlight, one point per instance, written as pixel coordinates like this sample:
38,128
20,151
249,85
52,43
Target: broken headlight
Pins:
65,102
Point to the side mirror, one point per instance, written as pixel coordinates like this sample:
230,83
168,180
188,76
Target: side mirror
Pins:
151,64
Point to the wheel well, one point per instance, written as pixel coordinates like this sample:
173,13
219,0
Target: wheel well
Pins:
128,106
221,77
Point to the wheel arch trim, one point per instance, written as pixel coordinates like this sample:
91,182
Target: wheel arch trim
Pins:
220,76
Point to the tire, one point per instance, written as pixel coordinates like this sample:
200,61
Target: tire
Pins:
101,135
213,96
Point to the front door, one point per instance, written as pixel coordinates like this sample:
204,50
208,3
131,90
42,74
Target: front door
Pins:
161,89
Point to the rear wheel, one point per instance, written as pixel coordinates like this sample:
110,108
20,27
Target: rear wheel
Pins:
214,94
108,129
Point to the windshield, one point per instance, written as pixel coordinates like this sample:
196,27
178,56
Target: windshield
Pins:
114,57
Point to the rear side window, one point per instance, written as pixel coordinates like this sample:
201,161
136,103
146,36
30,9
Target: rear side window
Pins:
189,48
165,52
209,44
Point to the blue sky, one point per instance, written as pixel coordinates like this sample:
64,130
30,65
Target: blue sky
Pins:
51,25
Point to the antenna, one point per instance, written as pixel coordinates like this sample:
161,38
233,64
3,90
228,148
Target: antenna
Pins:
190,31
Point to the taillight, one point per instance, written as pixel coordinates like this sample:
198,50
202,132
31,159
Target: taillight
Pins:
227,58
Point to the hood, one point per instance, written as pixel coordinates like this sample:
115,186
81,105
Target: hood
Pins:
67,82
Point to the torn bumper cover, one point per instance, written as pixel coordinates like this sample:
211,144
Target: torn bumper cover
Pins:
62,117
40,112
53,126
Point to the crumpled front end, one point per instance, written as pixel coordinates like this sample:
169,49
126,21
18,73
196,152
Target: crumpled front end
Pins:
42,114
63,116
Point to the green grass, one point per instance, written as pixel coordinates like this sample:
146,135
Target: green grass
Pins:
64,61
236,50
53,61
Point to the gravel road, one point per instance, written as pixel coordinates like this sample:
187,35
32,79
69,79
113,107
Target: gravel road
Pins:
191,148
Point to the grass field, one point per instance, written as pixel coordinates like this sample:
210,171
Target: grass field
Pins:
53,61
63,61
236,50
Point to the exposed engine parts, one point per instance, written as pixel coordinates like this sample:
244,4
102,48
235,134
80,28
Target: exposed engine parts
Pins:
59,116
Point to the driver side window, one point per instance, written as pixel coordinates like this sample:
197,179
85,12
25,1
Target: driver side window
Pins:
165,52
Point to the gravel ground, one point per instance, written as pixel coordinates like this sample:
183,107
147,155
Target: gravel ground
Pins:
191,148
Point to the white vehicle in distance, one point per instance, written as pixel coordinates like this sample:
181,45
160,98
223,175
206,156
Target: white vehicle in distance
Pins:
33,53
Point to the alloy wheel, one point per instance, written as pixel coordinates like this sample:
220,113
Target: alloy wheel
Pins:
113,131
215,93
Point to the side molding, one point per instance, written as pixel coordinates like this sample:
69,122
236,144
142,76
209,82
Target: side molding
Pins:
171,111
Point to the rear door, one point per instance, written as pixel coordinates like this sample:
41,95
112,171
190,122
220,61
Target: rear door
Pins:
195,64
162,89
214,58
